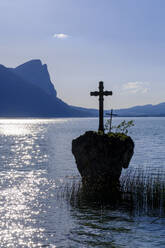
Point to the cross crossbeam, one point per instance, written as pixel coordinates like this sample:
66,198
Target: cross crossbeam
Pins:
101,93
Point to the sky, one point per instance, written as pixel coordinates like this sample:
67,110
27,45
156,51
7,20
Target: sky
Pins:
120,42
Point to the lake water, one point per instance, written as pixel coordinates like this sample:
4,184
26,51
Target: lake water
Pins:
36,164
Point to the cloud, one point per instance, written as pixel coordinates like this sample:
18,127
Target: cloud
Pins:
61,36
136,87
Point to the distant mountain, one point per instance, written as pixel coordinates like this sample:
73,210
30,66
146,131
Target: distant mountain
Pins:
137,111
93,112
146,110
27,91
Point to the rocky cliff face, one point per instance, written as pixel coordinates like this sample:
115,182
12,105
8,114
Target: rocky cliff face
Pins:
100,158
37,74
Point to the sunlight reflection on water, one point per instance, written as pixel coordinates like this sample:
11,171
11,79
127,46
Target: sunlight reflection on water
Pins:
23,126
25,188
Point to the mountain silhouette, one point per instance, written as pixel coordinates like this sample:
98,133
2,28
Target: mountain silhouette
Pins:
157,110
148,110
27,91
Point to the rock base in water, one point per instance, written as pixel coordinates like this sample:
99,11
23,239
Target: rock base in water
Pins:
101,157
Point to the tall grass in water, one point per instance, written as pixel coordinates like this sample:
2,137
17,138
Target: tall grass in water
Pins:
145,190
141,192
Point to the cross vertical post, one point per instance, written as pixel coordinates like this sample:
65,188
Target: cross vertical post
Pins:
101,93
101,107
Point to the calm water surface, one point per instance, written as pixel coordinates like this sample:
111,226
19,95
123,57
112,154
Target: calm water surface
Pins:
36,163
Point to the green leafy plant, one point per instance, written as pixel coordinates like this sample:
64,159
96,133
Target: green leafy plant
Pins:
123,127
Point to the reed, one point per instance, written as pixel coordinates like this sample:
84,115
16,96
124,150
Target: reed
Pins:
141,192
145,189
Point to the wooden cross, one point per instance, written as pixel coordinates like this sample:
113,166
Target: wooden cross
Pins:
101,93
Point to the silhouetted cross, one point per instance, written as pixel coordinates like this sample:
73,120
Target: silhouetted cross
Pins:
101,93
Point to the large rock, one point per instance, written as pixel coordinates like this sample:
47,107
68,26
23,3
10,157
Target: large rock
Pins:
101,157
